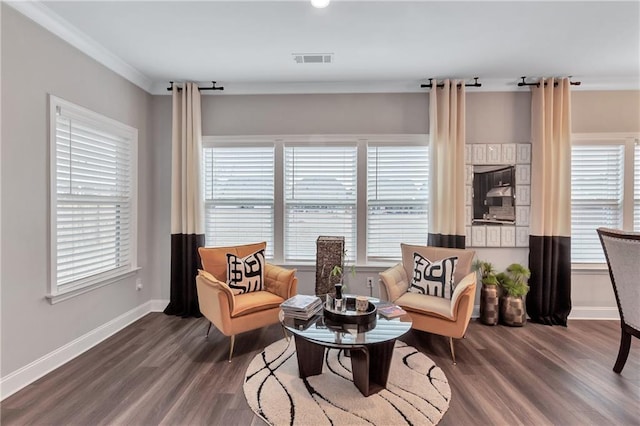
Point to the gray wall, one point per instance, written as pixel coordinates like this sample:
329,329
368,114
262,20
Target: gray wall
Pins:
596,112
34,64
492,117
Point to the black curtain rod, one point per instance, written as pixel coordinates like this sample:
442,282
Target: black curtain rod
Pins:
555,84
474,84
213,87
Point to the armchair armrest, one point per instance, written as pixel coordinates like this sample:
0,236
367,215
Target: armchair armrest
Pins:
216,300
464,296
280,281
393,283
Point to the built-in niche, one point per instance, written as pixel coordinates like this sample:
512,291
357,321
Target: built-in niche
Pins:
498,194
494,195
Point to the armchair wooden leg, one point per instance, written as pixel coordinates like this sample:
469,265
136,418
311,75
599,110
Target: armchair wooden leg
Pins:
208,328
233,341
623,352
453,353
286,336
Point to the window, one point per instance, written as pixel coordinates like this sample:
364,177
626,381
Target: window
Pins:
397,198
319,198
605,191
289,190
93,198
239,195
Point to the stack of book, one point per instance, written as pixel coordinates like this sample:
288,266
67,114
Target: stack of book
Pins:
301,306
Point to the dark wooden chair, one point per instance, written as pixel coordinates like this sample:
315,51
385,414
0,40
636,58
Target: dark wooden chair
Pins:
622,250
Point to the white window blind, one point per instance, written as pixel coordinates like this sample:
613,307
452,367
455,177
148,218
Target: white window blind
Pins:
320,198
239,195
397,199
597,178
93,202
636,190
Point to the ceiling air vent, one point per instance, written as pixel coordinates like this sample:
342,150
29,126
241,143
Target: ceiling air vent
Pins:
313,58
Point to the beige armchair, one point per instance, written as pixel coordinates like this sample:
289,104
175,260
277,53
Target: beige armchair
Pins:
236,313
433,314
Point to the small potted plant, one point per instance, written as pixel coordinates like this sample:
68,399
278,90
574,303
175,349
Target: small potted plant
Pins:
514,285
488,292
336,276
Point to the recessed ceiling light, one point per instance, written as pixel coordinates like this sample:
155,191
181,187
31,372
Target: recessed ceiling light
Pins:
320,3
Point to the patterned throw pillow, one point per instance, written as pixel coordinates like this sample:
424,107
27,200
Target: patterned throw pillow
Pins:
245,274
433,278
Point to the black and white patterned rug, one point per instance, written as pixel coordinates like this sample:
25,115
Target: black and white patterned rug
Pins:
417,390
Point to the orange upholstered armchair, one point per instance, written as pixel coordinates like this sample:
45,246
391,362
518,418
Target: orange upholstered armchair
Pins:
229,310
439,315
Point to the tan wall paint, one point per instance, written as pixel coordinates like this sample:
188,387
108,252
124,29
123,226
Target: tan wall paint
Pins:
498,117
315,114
599,112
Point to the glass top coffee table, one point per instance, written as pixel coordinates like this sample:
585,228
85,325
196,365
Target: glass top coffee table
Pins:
370,346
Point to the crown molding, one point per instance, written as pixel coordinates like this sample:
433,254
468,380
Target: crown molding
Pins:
38,12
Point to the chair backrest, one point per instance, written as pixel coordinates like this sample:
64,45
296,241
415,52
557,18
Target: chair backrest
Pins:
622,250
465,258
214,259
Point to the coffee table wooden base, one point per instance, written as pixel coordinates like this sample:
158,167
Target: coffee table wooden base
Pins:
369,363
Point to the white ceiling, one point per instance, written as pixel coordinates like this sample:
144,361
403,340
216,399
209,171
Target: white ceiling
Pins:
377,45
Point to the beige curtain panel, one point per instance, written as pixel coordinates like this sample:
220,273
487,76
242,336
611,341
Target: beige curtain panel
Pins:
187,207
549,300
446,141
551,158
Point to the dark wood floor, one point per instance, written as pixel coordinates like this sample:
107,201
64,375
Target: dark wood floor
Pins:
161,370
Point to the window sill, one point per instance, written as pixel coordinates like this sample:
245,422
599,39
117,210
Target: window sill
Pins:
310,267
77,291
589,268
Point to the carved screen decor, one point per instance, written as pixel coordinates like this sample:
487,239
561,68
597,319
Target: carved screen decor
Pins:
498,194
329,254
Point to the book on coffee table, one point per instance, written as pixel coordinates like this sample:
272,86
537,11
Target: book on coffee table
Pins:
301,306
391,311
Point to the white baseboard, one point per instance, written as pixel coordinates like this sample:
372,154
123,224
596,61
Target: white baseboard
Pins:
578,313
158,305
28,374
594,313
